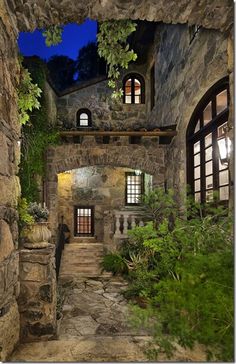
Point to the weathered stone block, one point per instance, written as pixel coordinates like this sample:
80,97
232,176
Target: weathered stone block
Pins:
33,272
6,242
45,293
9,331
4,161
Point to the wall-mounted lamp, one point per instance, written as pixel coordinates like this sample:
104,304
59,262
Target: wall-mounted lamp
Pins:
138,172
224,143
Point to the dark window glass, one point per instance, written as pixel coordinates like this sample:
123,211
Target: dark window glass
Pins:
206,172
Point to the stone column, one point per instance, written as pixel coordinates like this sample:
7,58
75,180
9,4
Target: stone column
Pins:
37,300
9,290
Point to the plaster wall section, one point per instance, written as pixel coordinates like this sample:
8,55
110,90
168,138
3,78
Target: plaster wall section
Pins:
9,185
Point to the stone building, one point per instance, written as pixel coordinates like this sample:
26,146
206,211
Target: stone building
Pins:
165,132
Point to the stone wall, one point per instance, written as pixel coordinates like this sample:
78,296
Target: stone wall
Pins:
50,97
149,159
98,186
37,300
187,71
210,14
106,114
9,185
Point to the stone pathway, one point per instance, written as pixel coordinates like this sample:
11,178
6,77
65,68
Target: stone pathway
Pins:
95,307
95,328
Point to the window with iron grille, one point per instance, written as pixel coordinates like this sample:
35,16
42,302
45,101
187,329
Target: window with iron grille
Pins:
84,221
134,188
206,172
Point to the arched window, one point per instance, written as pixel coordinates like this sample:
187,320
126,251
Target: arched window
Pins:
134,89
84,118
206,171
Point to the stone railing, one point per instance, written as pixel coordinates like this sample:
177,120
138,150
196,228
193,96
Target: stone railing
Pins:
126,220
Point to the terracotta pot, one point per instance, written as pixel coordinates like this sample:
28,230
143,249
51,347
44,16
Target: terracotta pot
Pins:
37,233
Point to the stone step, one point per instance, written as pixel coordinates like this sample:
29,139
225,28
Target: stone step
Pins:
82,258
83,349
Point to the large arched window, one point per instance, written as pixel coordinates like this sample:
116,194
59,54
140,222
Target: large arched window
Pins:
206,172
134,89
84,118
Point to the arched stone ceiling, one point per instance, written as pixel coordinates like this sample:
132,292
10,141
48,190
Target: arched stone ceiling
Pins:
31,14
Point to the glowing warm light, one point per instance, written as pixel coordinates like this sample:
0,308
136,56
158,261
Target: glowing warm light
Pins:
138,172
224,145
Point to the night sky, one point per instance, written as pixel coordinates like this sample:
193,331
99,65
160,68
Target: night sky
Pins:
74,37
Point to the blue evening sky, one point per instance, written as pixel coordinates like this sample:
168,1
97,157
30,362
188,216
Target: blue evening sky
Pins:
74,37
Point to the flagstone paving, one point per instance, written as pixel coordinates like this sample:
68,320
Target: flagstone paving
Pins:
95,328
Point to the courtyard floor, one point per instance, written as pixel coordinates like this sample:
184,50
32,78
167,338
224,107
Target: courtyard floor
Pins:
95,328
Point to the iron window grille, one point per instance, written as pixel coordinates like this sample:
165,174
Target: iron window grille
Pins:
134,188
84,220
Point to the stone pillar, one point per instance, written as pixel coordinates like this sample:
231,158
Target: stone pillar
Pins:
9,290
37,300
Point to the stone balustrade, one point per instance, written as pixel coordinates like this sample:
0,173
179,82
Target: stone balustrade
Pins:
126,220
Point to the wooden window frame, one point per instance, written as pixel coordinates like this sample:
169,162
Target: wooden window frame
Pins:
134,76
83,111
211,127
126,188
76,233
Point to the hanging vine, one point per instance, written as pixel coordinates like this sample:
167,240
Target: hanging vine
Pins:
28,95
53,35
37,135
113,47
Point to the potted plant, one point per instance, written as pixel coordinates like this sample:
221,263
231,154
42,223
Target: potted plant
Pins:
35,231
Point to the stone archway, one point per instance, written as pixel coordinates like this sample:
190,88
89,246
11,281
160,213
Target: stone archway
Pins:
60,159
28,15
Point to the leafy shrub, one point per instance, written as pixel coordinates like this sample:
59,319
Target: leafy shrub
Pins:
25,218
38,212
185,273
115,263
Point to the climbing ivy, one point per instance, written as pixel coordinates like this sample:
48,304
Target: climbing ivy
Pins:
28,95
113,47
37,135
53,35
